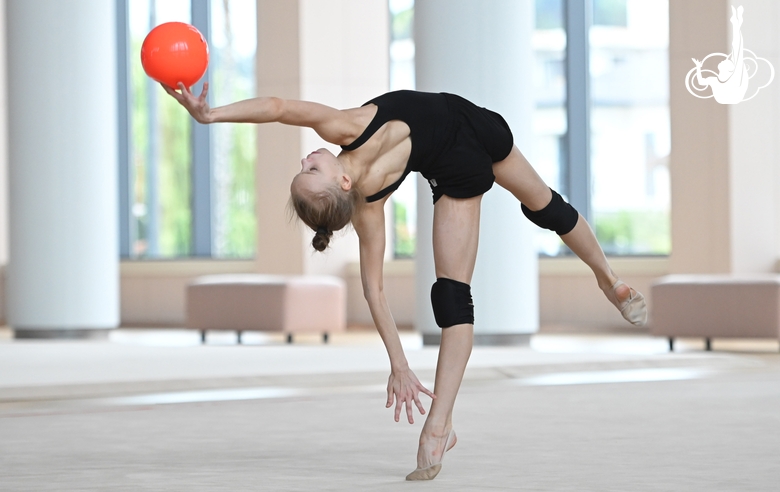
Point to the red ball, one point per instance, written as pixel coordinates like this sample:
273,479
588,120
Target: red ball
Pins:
175,52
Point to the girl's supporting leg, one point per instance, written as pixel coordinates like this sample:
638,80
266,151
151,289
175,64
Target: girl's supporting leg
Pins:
455,240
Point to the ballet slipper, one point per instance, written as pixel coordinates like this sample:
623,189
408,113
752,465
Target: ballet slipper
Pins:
633,309
430,472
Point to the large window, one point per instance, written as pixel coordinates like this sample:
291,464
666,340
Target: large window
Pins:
630,128
627,120
233,54
188,189
404,199
623,177
548,155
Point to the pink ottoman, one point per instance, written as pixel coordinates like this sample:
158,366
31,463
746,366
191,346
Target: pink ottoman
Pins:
250,302
714,306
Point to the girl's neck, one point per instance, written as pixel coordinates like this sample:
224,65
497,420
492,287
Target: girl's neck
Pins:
353,170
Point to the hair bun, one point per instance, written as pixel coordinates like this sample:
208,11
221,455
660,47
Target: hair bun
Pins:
321,239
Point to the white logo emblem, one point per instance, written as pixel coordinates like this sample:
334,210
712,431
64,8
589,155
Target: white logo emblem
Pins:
730,84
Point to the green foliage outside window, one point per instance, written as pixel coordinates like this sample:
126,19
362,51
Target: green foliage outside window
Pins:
174,179
235,228
173,168
402,24
404,241
241,227
634,232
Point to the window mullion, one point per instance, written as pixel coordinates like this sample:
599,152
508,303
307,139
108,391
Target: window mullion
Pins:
124,127
201,153
577,178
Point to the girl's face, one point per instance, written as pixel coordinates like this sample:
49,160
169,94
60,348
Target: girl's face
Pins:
319,171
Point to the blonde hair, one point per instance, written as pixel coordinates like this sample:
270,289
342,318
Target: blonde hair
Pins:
325,211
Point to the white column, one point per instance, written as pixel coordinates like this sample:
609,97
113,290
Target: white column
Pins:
754,150
482,51
63,254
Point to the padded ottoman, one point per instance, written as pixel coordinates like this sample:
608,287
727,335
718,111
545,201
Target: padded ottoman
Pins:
715,306
253,302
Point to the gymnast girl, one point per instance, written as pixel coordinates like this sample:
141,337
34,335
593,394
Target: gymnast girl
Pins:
461,149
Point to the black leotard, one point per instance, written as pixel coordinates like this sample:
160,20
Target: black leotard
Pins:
454,142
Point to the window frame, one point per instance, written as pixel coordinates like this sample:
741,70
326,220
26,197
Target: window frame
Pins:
575,177
200,141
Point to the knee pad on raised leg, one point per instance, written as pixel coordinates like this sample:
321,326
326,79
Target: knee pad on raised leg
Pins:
557,216
452,303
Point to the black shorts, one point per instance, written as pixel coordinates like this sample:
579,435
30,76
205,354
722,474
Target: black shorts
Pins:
478,138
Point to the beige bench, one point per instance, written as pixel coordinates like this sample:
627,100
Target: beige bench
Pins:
250,302
715,306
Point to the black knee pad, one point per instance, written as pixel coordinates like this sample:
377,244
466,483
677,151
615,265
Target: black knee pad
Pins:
557,216
452,304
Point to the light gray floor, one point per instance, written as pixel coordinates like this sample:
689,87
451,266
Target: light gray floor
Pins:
541,418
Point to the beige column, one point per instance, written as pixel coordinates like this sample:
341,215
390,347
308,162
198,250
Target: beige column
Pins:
279,245
723,163
699,159
334,52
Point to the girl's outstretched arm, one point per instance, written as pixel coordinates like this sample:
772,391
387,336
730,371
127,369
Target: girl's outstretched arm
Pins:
403,387
331,124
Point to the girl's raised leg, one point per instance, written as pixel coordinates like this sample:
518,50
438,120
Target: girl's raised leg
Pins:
518,176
